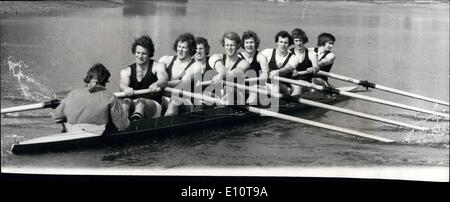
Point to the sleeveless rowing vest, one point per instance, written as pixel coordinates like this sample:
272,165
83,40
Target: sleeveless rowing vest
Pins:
224,57
326,68
146,81
305,64
207,66
169,68
208,76
273,64
255,66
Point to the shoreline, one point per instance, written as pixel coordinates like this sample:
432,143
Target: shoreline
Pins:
8,8
19,8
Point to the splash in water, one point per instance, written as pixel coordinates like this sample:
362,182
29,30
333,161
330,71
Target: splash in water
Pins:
30,88
436,137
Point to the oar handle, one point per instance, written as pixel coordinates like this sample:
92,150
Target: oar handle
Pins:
136,92
205,83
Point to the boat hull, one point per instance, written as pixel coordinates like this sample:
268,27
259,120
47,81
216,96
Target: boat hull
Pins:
163,127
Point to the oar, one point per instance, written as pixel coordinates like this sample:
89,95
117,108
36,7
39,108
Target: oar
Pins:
253,79
281,116
54,103
358,96
325,106
380,87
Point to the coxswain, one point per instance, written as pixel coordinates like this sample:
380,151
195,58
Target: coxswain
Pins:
92,108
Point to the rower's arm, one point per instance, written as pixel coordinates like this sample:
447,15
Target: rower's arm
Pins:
328,60
262,60
58,113
160,71
215,61
166,60
313,58
240,69
125,79
267,53
290,66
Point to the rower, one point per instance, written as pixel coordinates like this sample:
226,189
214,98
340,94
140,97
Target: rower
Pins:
259,66
183,70
281,62
93,107
230,67
145,73
307,60
325,42
202,57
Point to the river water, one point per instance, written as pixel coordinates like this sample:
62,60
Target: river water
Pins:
405,46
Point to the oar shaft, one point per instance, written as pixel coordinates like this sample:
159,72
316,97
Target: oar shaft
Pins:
412,95
52,103
393,104
136,92
317,124
363,97
23,108
329,107
383,88
362,115
196,95
282,116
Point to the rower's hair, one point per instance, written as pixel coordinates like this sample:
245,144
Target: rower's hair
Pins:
231,36
284,34
189,38
324,38
299,33
146,42
250,34
97,71
204,41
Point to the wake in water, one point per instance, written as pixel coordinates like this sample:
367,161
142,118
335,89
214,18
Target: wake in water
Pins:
417,117
438,136
30,89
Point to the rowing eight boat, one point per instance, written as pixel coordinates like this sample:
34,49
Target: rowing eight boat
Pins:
165,126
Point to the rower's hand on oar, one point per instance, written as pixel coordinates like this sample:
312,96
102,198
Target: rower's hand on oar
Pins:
313,70
154,88
263,76
273,73
128,91
217,79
